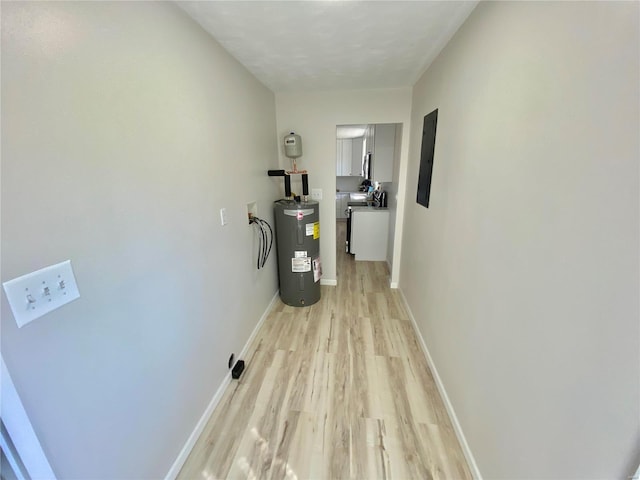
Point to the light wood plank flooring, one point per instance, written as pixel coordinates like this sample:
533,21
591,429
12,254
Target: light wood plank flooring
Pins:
337,390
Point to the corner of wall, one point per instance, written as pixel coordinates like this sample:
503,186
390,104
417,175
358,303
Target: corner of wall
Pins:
215,400
466,449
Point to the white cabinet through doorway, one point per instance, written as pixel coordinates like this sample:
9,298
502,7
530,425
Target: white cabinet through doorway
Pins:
349,157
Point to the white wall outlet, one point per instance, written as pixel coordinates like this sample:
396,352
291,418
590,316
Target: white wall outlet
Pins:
223,217
316,194
34,294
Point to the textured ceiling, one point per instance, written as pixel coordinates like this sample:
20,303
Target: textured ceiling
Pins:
332,45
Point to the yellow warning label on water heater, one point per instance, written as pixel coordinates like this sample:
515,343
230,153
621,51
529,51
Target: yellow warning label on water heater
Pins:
316,230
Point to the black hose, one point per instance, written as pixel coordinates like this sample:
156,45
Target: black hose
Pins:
287,186
265,240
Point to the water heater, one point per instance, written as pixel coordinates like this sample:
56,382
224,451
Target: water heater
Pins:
298,247
292,146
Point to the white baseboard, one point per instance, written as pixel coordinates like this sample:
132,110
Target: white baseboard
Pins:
264,316
191,441
332,282
394,285
473,466
217,396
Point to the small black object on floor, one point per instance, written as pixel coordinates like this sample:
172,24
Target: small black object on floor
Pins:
237,369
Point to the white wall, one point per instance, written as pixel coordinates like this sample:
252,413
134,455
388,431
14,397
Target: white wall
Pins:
348,184
523,272
125,129
315,116
392,199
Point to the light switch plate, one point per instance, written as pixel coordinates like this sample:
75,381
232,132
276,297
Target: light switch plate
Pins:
316,194
34,294
223,217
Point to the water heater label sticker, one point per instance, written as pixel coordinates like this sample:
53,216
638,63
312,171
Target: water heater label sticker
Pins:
316,230
317,269
301,265
300,253
309,229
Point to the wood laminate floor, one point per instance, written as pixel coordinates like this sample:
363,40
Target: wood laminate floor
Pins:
337,390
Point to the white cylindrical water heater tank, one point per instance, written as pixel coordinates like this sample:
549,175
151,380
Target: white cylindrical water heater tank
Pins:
293,145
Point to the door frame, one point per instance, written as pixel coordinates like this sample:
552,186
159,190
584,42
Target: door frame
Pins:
21,433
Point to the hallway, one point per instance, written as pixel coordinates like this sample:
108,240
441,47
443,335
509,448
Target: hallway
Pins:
337,390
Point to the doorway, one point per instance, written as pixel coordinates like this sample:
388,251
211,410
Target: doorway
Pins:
367,174
22,455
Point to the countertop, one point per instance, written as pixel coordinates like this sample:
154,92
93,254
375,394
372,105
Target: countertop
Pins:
369,208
